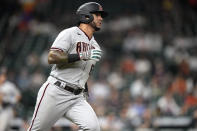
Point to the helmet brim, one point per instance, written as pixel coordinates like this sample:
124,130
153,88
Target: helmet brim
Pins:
103,13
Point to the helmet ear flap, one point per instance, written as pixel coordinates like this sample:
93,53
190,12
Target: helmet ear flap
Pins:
85,10
86,18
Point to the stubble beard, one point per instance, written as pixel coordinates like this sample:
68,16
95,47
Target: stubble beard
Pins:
93,25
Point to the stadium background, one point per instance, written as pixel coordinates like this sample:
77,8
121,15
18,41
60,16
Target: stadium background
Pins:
147,79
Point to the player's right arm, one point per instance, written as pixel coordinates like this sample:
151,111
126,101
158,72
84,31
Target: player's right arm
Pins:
57,57
60,58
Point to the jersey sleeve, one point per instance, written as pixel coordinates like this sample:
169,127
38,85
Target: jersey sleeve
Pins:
62,42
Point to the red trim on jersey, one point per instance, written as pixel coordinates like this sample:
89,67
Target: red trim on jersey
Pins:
38,107
86,34
54,48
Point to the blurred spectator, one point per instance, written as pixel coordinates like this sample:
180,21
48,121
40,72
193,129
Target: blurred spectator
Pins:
147,118
37,78
159,69
193,63
127,65
23,80
137,88
156,90
43,59
179,85
190,103
32,61
142,66
112,123
115,80
168,105
140,89
38,27
9,97
138,41
127,22
104,70
184,67
113,101
136,111
100,91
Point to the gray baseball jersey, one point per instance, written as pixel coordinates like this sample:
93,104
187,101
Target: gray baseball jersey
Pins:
54,102
71,41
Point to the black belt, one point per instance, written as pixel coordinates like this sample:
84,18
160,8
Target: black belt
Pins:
68,88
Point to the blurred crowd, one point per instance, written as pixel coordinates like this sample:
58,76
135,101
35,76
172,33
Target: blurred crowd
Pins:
146,78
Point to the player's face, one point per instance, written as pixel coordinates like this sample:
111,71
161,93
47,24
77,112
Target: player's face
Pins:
97,22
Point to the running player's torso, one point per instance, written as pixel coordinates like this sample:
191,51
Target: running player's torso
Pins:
71,41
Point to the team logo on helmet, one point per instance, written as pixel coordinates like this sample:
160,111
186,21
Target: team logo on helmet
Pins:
100,8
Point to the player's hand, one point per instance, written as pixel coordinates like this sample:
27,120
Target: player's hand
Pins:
93,54
96,54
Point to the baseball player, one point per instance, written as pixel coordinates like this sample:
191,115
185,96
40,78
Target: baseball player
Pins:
9,96
73,55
